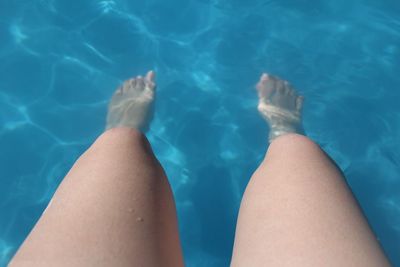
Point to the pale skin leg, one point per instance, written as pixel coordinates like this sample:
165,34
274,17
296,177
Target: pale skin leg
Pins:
115,207
297,209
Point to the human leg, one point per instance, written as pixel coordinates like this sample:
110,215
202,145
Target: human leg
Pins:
115,206
297,209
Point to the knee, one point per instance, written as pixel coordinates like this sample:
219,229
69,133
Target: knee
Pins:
293,144
121,134
121,142
122,138
125,149
294,159
298,152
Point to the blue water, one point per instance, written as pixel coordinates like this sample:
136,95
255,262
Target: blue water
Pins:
60,61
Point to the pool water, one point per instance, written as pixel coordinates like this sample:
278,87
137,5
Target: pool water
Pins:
60,61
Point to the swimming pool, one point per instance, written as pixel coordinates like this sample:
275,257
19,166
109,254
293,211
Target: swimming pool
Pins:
60,61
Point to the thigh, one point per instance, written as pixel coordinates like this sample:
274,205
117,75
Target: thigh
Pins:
114,208
298,211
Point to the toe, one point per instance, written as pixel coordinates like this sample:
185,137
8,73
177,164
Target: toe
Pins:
265,86
280,87
299,103
264,77
132,83
149,80
290,91
126,85
150,76
140,82
287,85
278,84
262,82
119,91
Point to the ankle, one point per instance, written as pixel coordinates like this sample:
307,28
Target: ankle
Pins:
282,129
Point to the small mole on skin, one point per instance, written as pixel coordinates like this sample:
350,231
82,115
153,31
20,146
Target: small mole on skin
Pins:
139,219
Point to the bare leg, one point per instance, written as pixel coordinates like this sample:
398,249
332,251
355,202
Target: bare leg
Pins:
115,206
297,209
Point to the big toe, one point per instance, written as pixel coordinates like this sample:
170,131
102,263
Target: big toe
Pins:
150,80
150,76
265,86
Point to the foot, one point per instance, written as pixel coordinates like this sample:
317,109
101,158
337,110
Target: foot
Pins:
279,105
131,103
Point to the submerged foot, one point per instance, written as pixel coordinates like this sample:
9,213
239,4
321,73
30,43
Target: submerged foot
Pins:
130,105
279,105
